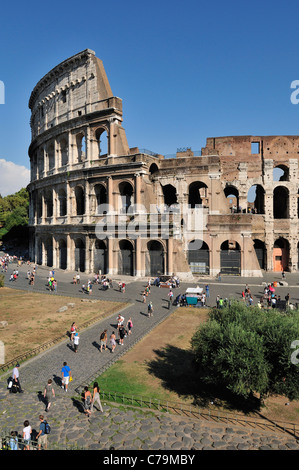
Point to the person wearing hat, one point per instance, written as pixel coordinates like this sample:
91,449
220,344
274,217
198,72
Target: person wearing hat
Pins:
16,378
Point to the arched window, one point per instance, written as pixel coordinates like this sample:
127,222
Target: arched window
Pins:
101,197
232,196
49,203
170,196
81,147
80,200
153,168
280,203
281,173
126,192
62,203
51,157
256,199
63,152
102,142
197,194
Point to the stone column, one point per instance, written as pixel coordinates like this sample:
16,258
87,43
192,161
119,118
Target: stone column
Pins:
170,256
138,257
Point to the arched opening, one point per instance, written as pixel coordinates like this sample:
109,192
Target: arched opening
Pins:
64,152
62,254
102,142
256,199
62,203
49,203
101,197
280,203
79,255
230,257
49,252
155,265
170,196
81,147
125,258
261,253
39,254
198,193
153,168
80,200
232,196
39,208
51,157
281,173
126,193
281,250
199,257
100,257
41,162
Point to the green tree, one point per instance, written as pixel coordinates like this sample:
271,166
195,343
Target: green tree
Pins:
247,350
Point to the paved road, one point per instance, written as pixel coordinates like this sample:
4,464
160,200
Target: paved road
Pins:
124,429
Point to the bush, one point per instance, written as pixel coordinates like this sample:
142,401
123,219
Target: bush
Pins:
247,350
1,280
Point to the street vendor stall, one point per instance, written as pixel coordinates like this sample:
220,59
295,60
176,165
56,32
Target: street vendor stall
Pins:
193,295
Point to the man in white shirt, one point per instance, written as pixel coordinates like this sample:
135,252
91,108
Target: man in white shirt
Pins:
15,377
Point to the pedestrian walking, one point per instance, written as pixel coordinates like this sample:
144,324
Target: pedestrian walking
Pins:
150,309
207,291
120,321
16,386
66,375
96,397
103,340
27,430
73,330
121,333
112,341
42,436
49,393
87,401
76,342
129,326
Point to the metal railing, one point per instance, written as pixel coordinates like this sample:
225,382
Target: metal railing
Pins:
193,411
20,444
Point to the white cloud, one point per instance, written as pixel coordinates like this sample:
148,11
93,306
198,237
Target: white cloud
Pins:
13,177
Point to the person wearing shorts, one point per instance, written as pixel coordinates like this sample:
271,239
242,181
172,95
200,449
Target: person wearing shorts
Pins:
66,374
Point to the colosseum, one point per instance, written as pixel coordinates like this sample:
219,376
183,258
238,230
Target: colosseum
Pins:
100,206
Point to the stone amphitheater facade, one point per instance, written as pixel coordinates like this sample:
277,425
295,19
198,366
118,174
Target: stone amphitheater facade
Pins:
100,206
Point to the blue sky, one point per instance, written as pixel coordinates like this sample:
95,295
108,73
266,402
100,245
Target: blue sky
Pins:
184,70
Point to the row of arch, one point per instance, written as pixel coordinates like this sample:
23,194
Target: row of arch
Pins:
155,262
230,256
155,256
57,154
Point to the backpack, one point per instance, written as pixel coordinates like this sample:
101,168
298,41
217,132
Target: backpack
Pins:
47,427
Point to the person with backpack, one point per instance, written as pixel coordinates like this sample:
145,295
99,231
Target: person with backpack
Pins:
42,436
150,309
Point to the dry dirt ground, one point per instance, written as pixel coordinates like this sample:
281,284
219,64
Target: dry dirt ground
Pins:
32,319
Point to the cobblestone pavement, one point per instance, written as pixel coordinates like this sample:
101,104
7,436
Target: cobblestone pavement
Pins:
122,428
